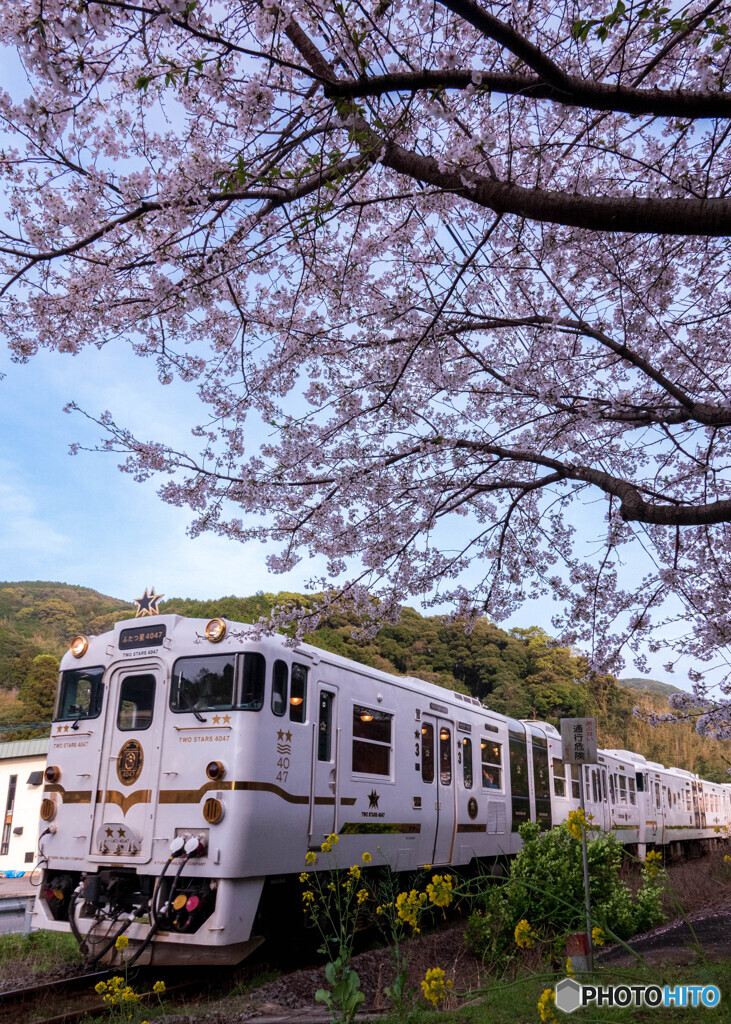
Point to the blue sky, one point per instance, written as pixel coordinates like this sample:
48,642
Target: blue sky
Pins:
77,519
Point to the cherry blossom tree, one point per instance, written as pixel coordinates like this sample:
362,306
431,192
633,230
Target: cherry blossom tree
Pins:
468,261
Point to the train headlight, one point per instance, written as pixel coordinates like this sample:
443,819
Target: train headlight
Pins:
213,811
52,773
48,809
79,646
216,630
215,770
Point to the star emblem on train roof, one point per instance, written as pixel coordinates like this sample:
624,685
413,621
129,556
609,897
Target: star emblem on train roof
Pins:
147,604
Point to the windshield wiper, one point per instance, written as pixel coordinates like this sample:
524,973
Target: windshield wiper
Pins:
191,706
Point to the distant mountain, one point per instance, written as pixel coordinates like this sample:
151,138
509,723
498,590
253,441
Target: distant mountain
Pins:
653,686
522,673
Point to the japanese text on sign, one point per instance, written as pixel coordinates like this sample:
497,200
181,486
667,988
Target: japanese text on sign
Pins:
578,740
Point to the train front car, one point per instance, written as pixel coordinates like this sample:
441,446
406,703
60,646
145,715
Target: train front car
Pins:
150,728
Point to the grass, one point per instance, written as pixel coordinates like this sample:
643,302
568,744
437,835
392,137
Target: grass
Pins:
516,1002
38,951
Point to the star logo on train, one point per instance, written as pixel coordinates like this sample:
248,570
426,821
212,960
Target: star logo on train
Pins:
147,604
373,799
284,735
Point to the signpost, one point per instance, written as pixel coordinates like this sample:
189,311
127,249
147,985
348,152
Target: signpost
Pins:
578,740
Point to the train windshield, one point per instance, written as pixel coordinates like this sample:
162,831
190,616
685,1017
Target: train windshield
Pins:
81,693
203,684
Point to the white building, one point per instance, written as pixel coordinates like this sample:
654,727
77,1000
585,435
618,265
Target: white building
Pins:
22,763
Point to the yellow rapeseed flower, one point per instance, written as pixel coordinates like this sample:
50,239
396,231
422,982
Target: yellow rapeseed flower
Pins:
311,858
570,968
354,872
333,839
159,988
653,863
361,896
546,1006
439,890
598,937
326,847
366,858
434,987
121,943
524,934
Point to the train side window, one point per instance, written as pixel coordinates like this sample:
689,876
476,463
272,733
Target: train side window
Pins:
298,695
595,786
658,802
467,763
632,797
612,792
575,781
492,764
688,805
559,777
205,683
136,701
371,741
280,683
640,785
81,693
427,752
253,678
622,789
324,726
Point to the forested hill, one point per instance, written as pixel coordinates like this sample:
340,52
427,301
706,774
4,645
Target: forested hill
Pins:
521,672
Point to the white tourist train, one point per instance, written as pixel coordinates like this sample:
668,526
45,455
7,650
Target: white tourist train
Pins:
191,769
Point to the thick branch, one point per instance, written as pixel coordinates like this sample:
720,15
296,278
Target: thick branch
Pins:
579,92
707,217
633,508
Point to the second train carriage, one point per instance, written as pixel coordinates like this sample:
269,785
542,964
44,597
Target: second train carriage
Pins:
191,769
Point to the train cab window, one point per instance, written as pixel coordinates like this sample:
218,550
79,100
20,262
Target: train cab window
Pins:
253,676
136,702
467,763
80,694
427,752
658,802
203,684
622,789
371,741
298,695
492,764
445,756
280,685
559,777
575,781
632,797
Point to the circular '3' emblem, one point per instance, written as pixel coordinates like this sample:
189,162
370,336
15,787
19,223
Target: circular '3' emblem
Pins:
129,762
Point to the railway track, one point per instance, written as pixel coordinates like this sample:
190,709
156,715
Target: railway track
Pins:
69,1000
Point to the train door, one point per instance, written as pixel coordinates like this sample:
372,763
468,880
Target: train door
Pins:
324,777
520,782
699,811
595,789
128,783
438,774
541,780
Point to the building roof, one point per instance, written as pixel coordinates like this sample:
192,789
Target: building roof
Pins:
24,748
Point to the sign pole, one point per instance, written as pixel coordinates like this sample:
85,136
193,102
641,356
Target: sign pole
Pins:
585,858
579,747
